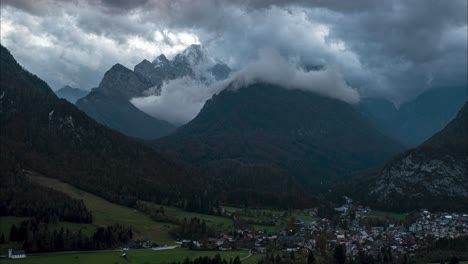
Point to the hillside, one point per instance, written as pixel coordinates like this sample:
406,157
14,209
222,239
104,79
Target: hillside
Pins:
432,175
119,114
51,136
269,138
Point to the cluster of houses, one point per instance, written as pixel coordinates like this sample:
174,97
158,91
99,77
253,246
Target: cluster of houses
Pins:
440,225
390,236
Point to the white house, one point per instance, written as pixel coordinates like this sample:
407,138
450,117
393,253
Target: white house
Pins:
18,254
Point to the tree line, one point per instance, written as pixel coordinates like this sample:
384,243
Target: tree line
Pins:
194,229
20,197
40,237
209,260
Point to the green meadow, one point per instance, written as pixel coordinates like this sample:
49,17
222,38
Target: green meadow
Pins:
107,213
138,256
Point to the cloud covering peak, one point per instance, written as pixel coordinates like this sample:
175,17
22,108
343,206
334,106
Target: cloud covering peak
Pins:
181,100
273,68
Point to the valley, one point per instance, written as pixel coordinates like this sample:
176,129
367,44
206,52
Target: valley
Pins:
233,132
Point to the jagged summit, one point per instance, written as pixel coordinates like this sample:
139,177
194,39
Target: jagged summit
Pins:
123,82
193,55
194,62
161,60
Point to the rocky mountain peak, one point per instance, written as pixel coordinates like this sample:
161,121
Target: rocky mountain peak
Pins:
143,64
192,55
160,61
123,82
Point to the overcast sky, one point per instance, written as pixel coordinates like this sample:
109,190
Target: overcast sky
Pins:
394,49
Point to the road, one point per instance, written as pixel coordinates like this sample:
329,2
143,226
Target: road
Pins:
248,256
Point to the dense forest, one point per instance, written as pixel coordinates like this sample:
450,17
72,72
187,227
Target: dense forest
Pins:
19,197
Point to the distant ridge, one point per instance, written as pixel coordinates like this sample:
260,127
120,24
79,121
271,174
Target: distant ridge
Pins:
71,94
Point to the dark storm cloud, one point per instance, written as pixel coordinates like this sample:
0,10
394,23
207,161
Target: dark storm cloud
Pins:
123,4
394,49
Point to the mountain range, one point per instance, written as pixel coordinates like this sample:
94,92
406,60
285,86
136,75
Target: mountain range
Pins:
109,103
258,145
48,135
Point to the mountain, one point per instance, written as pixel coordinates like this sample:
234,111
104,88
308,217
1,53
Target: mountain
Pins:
192,62
417,120
109,105
284,137
433,175
119,114
121,82
52,137
71,94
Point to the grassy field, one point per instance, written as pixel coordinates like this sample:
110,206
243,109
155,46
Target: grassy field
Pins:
387,215
143,256
213,220
107,213
265,215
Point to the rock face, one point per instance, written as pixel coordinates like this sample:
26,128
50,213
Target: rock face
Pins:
122,82
71,94
432,175
418,175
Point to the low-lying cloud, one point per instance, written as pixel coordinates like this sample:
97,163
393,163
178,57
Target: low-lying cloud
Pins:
273,68
182,99
179,102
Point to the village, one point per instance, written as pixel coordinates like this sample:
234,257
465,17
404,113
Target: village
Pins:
355,230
